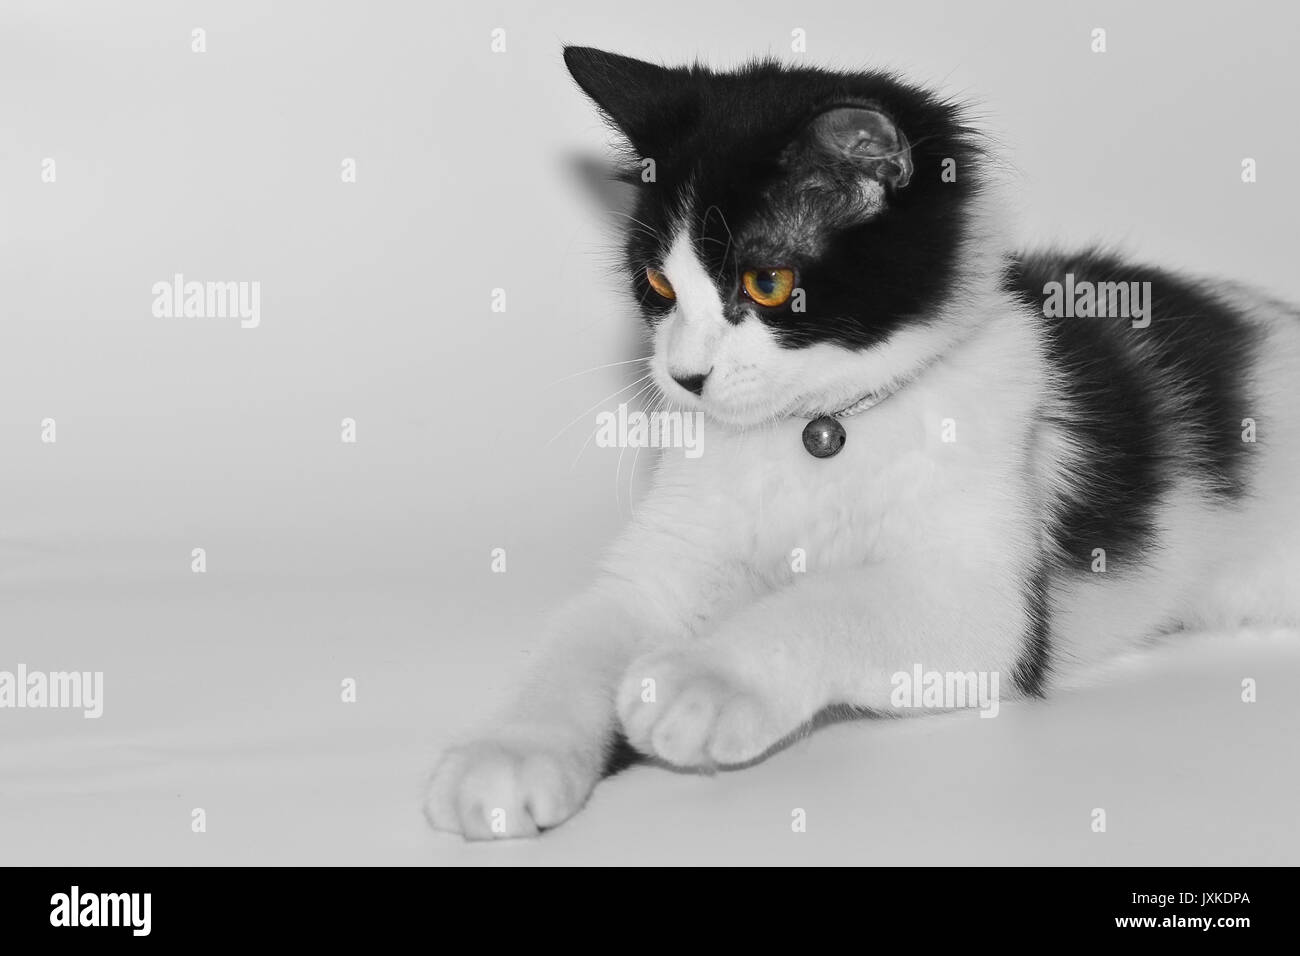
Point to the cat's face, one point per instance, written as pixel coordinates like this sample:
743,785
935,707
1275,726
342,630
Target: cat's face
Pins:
795,231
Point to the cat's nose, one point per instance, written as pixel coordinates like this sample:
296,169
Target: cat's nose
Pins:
692,383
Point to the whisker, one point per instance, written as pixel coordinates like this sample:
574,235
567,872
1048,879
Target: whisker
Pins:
631,483
656,404
590,436
596,406
648,228
704,221
597,368
618,474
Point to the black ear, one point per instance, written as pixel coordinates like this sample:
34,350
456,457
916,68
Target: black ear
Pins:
648,103
863,138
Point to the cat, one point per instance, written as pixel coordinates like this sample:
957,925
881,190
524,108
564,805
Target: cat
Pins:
1035,460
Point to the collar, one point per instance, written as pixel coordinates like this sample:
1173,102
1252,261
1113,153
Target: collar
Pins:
824,436
868,401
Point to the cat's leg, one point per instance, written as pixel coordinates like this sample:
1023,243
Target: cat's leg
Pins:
836,638
536,763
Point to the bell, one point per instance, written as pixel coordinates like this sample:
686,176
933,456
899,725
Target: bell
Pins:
824,437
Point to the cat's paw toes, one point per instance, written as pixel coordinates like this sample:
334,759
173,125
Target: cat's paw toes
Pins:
497,789
678,707
744,731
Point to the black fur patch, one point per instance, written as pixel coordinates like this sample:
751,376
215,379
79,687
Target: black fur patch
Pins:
720,143
1149,404
1033,667
619,755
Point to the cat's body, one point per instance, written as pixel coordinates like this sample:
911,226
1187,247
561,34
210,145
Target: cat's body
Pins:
1032,494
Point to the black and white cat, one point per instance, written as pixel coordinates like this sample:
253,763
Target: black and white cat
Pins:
1029,482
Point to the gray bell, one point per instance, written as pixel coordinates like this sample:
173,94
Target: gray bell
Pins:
824,437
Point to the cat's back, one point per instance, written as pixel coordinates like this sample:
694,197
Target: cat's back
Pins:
1159,370
1179,393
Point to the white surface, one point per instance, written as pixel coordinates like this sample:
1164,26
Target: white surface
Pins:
222,692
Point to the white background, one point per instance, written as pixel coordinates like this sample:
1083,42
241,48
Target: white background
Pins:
371,561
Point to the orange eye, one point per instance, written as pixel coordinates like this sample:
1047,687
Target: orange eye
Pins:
769,287
659,282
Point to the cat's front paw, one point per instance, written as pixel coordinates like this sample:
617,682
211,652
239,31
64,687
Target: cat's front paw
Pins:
683,708
507,785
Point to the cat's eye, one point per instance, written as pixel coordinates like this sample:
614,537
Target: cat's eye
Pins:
659,282
769,287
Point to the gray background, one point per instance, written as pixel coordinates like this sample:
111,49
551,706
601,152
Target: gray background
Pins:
371,561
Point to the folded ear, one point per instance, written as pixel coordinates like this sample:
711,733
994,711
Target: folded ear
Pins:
862,138
648,103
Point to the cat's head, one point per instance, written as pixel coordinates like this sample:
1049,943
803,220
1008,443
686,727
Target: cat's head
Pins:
799,234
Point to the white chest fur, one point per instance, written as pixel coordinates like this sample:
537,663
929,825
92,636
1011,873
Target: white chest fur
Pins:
929,468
